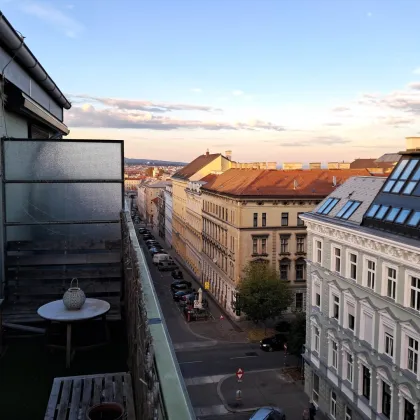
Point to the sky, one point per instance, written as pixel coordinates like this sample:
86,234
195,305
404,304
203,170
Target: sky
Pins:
271,80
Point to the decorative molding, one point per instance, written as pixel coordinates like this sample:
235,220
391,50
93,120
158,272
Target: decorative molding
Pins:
376,246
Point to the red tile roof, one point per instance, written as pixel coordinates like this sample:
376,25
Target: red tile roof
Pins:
209,178
197,164
369,163
280,183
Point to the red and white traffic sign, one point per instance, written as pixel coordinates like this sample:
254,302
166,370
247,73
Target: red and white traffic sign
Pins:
239,374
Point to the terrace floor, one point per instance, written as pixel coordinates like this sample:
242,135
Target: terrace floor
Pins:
27,370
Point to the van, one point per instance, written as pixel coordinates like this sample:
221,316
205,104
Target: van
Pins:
157,258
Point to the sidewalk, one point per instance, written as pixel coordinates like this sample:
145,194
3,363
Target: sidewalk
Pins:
264,388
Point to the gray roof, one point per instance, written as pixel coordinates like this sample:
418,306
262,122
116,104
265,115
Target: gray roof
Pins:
389,157
360,188
160,184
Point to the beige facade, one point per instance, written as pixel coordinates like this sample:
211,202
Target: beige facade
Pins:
237,231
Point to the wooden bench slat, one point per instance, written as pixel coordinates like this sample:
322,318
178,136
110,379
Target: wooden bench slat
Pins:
52,402
109,389
75,400
64,401
119,390
97,390
87,395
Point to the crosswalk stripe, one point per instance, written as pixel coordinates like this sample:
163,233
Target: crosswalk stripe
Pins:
193,345
203,380
212,410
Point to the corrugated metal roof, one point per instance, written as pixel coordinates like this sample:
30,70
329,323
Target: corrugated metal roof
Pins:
196,165
281,183
389,157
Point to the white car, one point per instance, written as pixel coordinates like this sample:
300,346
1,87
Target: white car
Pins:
157,258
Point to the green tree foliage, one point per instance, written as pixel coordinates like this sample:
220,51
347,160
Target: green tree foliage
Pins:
262,295
297,334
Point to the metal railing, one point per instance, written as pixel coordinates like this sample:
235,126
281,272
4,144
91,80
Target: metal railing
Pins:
159,387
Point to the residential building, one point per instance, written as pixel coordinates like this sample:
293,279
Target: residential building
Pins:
200,167
373,165
161,212
363,321
168,214
253,215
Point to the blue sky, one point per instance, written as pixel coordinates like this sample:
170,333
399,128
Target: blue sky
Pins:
269,79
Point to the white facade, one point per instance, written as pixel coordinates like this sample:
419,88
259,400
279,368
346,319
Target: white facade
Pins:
168,215
363,312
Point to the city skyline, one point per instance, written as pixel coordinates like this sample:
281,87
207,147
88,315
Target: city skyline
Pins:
341,80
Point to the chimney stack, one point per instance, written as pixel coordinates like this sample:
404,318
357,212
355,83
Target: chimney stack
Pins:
207,152
412,143
228,154
334,181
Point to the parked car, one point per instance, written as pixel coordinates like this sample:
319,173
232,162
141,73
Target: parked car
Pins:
276,342
269,413
177,274
162,257
180,284
178,295
156,251
166,266
142,231
152,244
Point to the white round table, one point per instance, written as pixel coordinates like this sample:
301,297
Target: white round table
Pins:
57,312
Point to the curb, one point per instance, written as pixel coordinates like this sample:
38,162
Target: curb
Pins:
223,399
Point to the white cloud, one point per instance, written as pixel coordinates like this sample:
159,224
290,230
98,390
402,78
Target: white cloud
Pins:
416,71
50,14
370,14
237,93
197,90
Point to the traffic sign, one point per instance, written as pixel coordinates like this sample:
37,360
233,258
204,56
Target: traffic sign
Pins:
239,374
221,318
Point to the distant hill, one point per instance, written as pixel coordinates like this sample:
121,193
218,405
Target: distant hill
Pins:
152,162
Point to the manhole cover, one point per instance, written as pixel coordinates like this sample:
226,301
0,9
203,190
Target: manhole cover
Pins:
252,353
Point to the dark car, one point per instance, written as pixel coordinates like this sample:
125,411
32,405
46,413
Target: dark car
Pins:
178,295
144,231
276,342
269,413
154,251
177,274
167,266
180,286
152,244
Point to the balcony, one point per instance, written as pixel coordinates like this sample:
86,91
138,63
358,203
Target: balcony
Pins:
65,215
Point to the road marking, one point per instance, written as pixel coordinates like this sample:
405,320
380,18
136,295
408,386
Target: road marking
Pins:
203,380
194,361
212,410
242,357
190,345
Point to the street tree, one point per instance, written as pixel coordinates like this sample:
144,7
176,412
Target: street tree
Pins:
262,295
297,334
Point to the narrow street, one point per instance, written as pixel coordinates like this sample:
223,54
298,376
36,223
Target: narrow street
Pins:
209,354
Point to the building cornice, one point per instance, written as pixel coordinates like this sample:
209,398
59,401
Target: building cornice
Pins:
384,247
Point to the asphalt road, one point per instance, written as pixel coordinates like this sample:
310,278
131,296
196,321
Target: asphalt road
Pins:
203,362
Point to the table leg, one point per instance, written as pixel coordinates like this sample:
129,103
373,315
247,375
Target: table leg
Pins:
68,346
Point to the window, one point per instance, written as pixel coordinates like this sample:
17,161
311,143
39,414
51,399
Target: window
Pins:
255,246
390,217
300,222
402,216
284,269
348,209
264,219
415,293
264,246
315,388
367,326
316,339
284,244
381,212
255,219
349,366
353,266
414,219
391,282
317,295
370,274
386,399
318,252
300,269
372,211
409,169
285,219
351,318
334,354
299,301
412,355
389,342
333,407
409,412
348,413
366,382
335,307
336,260
300,244
328,205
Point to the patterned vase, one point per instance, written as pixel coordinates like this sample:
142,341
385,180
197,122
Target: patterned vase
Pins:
74,298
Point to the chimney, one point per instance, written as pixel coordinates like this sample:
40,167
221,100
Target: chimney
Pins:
228,154
207,152
334,181
295,184
412,143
